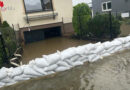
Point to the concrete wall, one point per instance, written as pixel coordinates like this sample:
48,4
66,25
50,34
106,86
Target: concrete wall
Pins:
14,13
117,5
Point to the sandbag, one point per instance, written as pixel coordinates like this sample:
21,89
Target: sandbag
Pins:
51,68
69,62
107,45
80,50
59,69
68,53
98,50
39,70
2,84
41,62
75,58
7,80
96,58
63,63
91,57
52,58
3,74
50,72
106,54
83,59
77,63
15,72
20,78
116,42
90,47
30,71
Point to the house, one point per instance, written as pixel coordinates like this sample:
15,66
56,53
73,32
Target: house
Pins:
35,20
117,7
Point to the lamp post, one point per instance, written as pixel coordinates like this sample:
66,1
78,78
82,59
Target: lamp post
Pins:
5,58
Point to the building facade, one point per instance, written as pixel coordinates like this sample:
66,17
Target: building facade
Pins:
30,18
116,6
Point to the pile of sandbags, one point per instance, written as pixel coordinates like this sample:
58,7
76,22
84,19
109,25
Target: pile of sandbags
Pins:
61,61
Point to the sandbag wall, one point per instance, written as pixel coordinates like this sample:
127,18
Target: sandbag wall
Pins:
61,61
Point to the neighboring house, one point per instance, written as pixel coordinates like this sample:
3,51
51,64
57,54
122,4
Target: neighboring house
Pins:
115,6
35,20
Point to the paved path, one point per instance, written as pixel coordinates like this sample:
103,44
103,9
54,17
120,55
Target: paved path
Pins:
111,73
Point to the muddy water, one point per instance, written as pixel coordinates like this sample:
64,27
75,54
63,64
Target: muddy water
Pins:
37,49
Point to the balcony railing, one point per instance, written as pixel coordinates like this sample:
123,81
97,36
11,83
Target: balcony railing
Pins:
41,16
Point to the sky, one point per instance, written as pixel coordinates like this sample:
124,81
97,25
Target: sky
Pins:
75,2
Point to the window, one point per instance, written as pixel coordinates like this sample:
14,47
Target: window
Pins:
106,6
38,5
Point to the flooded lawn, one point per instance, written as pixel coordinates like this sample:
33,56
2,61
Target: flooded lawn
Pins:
48,46
111,73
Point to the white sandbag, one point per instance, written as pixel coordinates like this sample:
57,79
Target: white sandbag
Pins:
96,58
59,69
20,78
68,53
111,49
90,47
106,54
15,72
98,50
2,84
51,68
116,42
7,80
39,70
50,72
75,58
30,71
3,74
41,62
63,63
69,62
127,45
80,50
52,58
118,48
91,57
10,83
83,59
77,63
107,45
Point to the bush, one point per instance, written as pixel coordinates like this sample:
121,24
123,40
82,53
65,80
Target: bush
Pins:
99,26
81,15
8,35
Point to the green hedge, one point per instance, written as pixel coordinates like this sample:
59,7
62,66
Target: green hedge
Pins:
99,26
81,15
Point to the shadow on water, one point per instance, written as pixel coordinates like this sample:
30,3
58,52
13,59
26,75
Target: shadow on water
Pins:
48,46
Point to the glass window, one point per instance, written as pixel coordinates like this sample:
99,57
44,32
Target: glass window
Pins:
33,5
109,5
38,5
104,6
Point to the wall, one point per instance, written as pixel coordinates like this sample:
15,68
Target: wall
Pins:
62,61
15,13
117,5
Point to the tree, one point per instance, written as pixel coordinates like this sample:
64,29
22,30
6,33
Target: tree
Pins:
81,16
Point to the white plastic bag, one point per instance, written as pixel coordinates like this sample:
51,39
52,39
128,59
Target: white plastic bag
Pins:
51,68
75,58
59,69
63,63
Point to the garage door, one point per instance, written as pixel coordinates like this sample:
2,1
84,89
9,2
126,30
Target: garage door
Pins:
38,35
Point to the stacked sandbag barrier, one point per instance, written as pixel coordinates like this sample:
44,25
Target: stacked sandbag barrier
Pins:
61,61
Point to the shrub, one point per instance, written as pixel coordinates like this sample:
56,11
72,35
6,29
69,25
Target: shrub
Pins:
99,26
81,15
8,35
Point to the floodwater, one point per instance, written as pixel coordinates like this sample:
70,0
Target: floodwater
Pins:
111,73
48,46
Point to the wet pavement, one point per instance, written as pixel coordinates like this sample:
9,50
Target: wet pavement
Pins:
48,46
111,73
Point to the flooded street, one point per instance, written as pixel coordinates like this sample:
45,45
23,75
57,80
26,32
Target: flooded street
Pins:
111,73
49,46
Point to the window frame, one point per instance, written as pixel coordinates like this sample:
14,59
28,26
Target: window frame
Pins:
42,10
106,3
